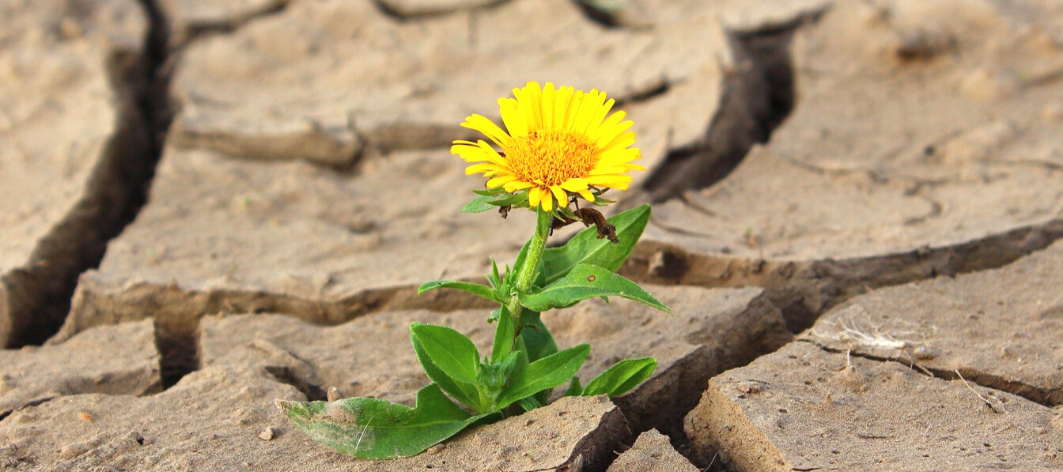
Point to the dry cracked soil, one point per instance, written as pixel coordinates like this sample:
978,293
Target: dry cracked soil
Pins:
209,205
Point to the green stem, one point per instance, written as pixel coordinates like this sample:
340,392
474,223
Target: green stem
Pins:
529,270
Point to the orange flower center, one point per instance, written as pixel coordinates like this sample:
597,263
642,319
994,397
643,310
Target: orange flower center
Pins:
550,157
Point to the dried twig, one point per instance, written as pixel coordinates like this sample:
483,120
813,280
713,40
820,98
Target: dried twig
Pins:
995,408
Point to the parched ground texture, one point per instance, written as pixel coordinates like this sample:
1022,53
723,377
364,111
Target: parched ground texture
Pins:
210,205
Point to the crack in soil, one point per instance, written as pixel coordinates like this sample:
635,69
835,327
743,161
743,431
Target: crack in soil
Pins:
399,16
182,37
757,98
40,296
596,14
175,331
37,402
285,375
805,289
600,445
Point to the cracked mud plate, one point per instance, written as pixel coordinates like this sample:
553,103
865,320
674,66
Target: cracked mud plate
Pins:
803,408
712,330
218,419
924,141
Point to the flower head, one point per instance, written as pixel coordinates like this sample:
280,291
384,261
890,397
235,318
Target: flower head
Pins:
557,141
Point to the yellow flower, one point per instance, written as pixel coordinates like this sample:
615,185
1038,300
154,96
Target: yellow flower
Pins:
559,141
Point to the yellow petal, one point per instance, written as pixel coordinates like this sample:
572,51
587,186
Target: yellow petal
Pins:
611,181
618,156
564,98
477,168
573,108
491,155
468,153
524,108
620,142
517,185
614,133
534,95
488,128
574,185
547,199
596,120
500,181
587,195
606,126
549,98
511,117
592,102
578,122
607,170
534,196
613,184
562,197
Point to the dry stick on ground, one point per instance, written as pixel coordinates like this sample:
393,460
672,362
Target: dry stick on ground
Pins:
984,399
713,461
922,369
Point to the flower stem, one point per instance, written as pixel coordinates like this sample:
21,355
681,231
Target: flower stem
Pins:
529,270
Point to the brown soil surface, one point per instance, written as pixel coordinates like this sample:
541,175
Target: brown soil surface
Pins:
116,360
804,408
1000,328
651,451
957,372
214,419
209,205
925,141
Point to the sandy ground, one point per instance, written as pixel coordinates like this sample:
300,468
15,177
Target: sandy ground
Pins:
209,205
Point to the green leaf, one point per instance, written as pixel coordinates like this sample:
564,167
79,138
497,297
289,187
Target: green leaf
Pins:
490,201
621,377
586,248
587,281
541,345
450,350
545,373
495,279
479,204
504,334
529,403
490,191
538,342
376,429
574,388
464,392
517,263
514,199
482,291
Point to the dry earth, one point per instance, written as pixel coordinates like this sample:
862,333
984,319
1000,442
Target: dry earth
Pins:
72,149
885,175
925,141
